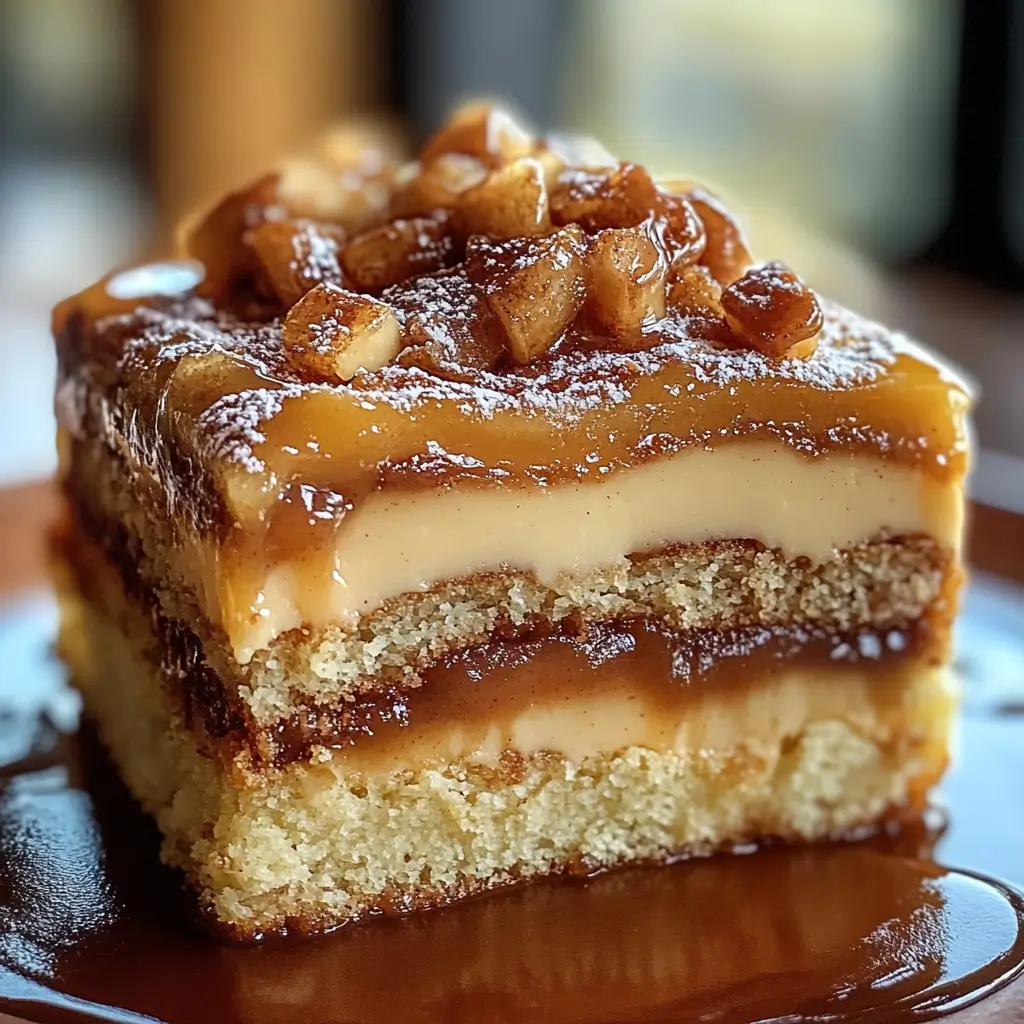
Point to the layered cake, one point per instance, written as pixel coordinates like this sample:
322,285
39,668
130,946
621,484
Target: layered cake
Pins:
436,526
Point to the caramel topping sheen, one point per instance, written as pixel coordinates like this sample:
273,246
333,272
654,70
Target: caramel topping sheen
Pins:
505,308
226,399
772,309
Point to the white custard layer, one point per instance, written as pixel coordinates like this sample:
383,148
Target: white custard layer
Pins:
401,542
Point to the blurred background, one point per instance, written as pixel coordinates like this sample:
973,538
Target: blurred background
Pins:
877,146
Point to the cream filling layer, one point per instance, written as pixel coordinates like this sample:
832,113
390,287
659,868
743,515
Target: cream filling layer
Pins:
400,542
754,719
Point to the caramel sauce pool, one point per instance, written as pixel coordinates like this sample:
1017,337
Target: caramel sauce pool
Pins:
92,927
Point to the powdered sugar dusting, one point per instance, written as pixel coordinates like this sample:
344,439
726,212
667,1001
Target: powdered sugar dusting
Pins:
444,307
151,337
135,368
314,255
322,334
851,351
231,428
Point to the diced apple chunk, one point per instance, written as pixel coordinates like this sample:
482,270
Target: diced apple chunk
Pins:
534,286
626,282
510,202
449,327
393,252
618,197
368,145
331,333
726,253
216,236
771,310
421,189
316,190
297,255
695,292
679,232
483,130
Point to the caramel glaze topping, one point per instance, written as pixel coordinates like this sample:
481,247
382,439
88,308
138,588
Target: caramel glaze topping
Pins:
505,309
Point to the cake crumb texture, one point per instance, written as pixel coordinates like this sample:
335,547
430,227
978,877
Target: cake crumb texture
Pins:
311,845
721,584
884,583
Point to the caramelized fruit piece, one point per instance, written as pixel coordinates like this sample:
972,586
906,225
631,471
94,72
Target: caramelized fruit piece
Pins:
215,238
510,202
626,196
370,146
726,254
694,292
331,333
296,255
551,165
485,193
449,328
618,198
349,197
772,310
393,252
420,190
626,275
482,130
534,286
679,231
579,151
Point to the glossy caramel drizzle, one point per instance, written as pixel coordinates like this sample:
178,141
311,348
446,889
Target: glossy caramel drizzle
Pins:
507,310
216,412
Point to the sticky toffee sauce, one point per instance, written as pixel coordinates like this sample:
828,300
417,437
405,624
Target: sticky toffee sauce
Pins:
91,926
622,678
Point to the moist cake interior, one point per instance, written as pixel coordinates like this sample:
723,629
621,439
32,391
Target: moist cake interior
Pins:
456,522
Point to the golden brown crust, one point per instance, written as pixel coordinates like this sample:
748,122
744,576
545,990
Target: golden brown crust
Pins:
309,921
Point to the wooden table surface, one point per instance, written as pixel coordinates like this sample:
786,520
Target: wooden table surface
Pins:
995,545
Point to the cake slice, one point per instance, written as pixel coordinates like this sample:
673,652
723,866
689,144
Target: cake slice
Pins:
434,527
